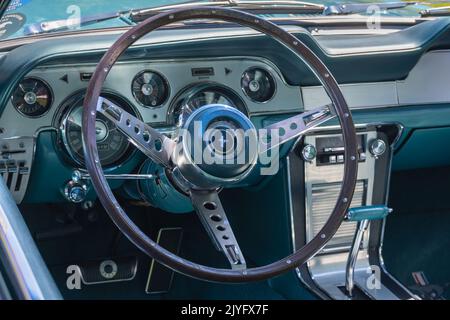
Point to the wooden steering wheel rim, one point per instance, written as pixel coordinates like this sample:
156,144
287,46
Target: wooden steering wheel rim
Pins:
141,240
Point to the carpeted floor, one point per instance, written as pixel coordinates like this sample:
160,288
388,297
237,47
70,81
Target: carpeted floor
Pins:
417,235
100,239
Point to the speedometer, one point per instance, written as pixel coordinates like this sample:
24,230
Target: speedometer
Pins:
112,145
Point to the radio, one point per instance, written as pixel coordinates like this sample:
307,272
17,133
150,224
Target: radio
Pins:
329,150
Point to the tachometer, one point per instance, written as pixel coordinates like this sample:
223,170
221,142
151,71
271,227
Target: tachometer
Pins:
32,97
112,145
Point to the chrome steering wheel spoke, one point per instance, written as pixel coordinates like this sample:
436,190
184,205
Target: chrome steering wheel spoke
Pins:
293,127
212,215
152,143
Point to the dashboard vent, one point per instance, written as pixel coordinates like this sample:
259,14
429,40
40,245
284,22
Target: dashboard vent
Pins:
13,172
16,156
324,197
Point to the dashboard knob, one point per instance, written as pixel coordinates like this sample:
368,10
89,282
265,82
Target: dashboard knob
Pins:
75,192
377,148
309,152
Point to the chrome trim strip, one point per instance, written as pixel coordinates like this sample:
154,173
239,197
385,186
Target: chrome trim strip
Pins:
386,200
4,291
291,209
23,262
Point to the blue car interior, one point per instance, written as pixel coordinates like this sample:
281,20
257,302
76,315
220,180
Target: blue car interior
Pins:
392,243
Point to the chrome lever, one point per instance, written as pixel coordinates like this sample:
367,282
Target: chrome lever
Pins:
363,215
353,257
78,175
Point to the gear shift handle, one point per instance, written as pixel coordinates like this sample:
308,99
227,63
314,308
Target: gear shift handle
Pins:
363,216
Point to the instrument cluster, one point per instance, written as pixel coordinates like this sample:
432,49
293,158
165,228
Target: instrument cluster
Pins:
161,93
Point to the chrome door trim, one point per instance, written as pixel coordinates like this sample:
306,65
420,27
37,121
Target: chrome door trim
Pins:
25,267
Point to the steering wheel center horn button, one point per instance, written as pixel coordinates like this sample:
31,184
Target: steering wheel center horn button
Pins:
219,146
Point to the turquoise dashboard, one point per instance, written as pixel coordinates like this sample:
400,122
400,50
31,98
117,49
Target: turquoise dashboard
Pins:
393,77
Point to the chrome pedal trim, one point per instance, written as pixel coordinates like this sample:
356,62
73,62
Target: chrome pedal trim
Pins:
175,248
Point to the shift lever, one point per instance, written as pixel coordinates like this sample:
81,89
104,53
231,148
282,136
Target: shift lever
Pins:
363,215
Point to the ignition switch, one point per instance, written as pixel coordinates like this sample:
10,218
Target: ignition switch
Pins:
75,190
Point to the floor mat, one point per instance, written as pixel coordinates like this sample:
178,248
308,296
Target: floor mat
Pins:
417,234
101,239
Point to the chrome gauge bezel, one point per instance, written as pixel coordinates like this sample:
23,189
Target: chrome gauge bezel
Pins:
274,80
165,81
51,100
61,119
187,93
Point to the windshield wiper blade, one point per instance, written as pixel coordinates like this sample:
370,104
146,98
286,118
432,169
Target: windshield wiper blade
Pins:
355,8
435,12
277,7
256,7
69,24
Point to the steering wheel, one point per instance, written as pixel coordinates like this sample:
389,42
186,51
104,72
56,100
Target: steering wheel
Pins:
202,182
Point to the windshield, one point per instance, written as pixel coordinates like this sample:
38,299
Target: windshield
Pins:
22,16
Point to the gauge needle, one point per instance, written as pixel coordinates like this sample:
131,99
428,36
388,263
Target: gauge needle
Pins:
75,120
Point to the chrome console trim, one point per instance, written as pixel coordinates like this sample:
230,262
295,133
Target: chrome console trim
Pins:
321,181
326,271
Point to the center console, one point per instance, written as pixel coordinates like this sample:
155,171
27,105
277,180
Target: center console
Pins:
316,172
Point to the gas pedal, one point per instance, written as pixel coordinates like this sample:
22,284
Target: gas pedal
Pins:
160,277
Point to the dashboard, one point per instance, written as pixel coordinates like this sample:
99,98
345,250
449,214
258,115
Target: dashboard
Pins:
161,93
386,77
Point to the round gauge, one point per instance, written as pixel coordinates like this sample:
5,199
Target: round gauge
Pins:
258,84
201,95
150,89
112,145
32,97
